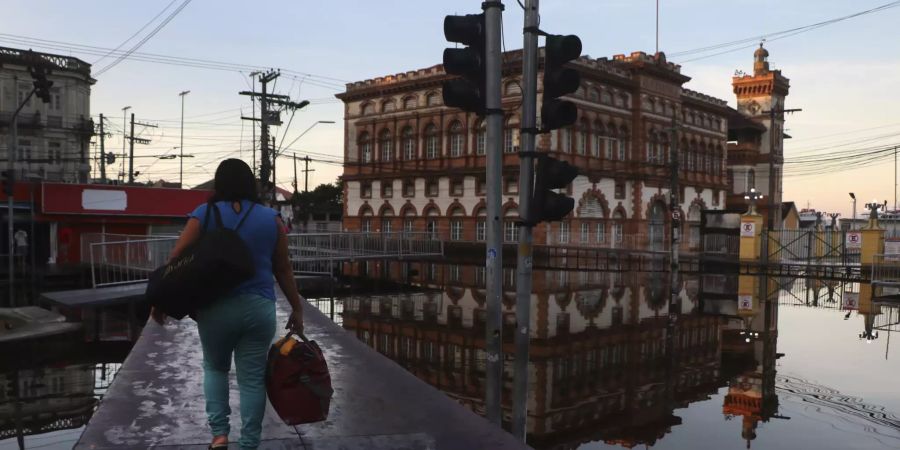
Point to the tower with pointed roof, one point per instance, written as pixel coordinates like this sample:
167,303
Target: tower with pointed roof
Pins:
756,95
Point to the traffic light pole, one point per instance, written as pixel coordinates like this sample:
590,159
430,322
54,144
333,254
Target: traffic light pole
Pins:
526,187
494,251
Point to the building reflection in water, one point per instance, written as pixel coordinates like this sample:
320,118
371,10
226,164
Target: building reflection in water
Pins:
602,366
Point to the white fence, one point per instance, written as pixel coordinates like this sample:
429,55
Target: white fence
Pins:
123,259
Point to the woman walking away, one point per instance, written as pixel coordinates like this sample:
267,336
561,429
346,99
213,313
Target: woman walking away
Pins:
241,323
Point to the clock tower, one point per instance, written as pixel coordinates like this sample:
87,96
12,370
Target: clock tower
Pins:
757,95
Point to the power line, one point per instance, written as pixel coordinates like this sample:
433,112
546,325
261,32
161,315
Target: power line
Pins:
742,43
144,40
135,33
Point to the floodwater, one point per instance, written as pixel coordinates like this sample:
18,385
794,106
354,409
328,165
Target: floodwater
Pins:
50,388
732,362
817,373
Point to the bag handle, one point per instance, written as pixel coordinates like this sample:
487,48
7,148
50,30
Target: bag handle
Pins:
218,216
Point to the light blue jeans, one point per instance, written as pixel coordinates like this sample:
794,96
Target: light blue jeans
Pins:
242,325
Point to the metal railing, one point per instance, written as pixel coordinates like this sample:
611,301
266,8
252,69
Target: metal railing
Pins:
886,269
811,247
123,259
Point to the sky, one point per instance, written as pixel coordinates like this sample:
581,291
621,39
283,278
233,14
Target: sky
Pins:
841,75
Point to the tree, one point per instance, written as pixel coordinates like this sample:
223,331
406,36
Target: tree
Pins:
324,199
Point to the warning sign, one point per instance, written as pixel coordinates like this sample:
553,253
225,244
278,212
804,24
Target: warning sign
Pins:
676,215
748,229
745,302
854,239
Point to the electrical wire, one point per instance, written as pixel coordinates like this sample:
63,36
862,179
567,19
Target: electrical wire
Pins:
135,33
146,38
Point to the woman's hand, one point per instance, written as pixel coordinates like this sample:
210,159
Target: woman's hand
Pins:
295,322
158,316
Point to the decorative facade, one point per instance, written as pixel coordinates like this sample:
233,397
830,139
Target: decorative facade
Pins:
53,138
750,142
413,164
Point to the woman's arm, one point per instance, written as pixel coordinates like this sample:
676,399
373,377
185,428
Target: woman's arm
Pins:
284,274
190,234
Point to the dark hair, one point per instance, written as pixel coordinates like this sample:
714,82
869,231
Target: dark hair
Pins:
234,182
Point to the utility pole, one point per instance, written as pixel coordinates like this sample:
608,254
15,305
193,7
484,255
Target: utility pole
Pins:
772,185
895,178
526,239
295,173
132,139
306,171
493,11
181,147
124,140
102,152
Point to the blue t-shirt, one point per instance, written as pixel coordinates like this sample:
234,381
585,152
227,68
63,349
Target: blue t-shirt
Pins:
259,231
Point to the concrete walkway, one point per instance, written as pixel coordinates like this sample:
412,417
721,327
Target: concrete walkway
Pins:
156,400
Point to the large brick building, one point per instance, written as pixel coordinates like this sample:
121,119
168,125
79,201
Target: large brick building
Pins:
413,164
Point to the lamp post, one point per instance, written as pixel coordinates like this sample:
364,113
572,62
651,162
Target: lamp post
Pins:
853,223
181,148
752,197
124,137
307,131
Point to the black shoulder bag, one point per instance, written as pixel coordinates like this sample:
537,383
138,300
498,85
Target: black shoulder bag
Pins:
205,271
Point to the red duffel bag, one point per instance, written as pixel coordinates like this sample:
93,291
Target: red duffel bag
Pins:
297,380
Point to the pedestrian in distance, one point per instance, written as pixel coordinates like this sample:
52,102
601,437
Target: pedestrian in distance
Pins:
241,323
21,238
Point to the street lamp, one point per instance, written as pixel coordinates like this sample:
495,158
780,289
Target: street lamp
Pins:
753,196
307,131
853,223
180,163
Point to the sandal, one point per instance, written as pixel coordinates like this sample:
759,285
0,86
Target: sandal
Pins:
220,445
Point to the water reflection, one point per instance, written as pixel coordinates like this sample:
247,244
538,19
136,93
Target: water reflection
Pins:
614,362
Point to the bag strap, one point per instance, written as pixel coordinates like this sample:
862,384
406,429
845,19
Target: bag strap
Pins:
217,214
246,215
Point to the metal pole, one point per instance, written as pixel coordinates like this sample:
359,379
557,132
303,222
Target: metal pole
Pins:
295,173
494,251
11,164
124,138
306,174
181,147
102,152
253,101
131,153
895,183
673,207
526,186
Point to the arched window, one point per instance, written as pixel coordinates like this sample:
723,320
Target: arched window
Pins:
387,106
385,145
366,221
598,141
432,99
623,143
510,227
456,139
652,145
367,108
456,224
510,136
566,139
409,143
432,142
409,220
480,224
365,148
583,129
618,228
606,97
410,102
480,133
431,227
512,88
387,220
594,95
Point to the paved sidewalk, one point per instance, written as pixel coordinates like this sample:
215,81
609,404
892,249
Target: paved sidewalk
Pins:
156,400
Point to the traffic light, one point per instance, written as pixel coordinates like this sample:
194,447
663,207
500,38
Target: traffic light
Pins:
546,204
559,81
468,92
41,84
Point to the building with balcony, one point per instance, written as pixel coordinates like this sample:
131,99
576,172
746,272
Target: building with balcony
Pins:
53,138
413,164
